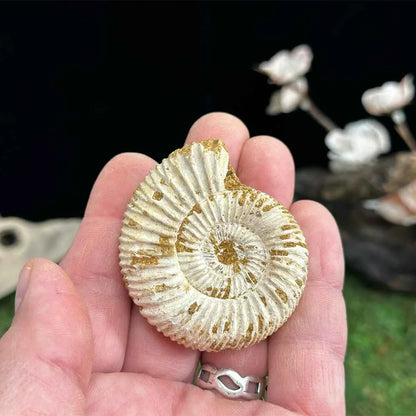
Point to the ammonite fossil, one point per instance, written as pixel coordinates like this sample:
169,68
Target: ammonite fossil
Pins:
212,263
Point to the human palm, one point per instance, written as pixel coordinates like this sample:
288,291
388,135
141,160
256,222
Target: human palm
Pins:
78,346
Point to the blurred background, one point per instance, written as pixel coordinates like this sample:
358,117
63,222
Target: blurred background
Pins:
83,81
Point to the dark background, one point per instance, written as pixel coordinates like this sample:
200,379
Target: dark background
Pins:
81,82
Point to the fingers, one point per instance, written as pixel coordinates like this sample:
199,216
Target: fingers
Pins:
267,165
149,351
163,397
46,355
306,355
221,126
93,262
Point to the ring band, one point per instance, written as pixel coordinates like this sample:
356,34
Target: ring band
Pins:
249,387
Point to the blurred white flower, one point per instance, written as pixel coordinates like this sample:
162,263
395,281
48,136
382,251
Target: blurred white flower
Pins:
286,66
399,207
391,96
288,98
359,143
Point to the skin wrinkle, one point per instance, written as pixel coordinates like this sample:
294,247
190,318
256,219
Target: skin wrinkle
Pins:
60,367
315,391
336,337
68,297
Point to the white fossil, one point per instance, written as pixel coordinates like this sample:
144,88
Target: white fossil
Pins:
21,240
212,263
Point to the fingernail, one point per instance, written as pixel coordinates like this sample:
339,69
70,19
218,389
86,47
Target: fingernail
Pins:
22,285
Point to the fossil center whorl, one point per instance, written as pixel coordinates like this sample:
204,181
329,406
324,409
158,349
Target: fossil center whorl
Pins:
221,253
212,263
232,259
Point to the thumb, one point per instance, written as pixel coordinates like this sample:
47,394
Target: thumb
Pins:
46,355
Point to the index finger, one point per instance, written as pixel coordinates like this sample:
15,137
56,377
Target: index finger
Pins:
225,127
92,261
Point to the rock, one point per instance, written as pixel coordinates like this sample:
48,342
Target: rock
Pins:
21,240
380,252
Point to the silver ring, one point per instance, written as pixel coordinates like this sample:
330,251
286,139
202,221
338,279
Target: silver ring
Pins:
249,387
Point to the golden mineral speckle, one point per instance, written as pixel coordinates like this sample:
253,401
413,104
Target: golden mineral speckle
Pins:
214,329
161,288
185,151
214,292
181,247
163,240
197,208
227,326
294,244
299,282
279,253
290,244
211,197
193,308
267,208
282,295
251,278
180,241
232,344
288,227
213,145
227,289
259,202
166,247
157,195
260,319
226,253
263,299
249,332
144,260
231,181
133,224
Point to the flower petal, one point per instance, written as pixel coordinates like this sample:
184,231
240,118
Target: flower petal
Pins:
358,143
286,66
391,96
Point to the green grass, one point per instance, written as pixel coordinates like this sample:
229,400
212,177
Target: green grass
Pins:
6,313
381,355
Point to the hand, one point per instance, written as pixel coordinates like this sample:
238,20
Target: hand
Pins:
77,345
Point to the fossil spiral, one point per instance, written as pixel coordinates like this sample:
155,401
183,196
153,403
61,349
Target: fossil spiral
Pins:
212,263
